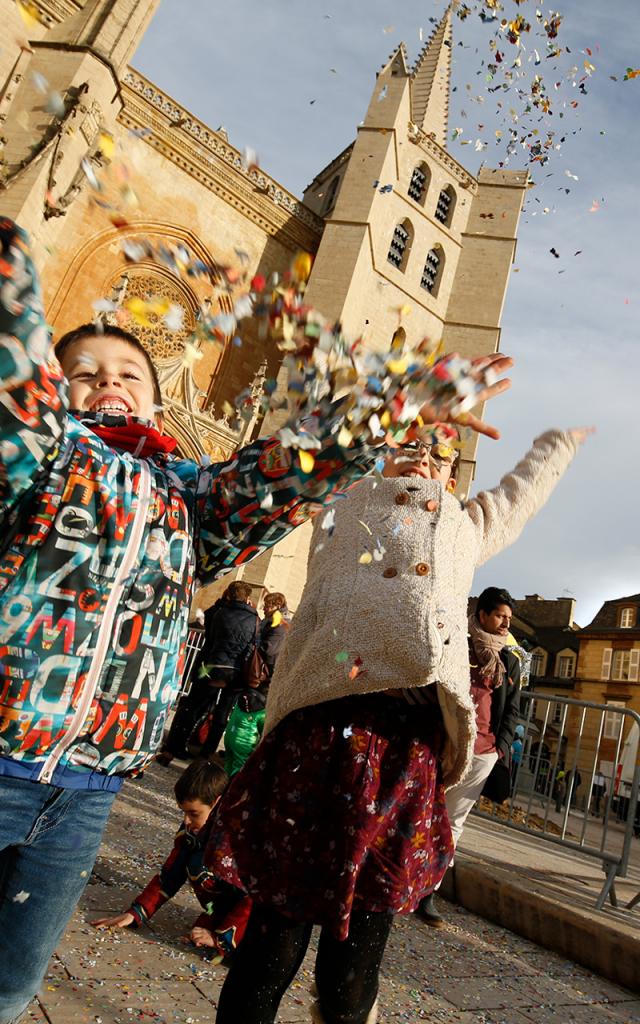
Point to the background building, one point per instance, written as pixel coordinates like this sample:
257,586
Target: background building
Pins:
394,221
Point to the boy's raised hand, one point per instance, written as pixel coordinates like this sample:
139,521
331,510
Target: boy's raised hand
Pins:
119,921
485,368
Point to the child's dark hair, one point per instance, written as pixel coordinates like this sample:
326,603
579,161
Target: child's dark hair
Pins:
99,331
202,780
492,598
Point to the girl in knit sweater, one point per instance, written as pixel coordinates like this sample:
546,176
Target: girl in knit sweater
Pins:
338,818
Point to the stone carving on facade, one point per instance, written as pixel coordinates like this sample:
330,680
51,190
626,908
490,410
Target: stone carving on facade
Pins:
195,427
214,143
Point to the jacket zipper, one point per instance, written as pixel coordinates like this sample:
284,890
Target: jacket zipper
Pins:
104,633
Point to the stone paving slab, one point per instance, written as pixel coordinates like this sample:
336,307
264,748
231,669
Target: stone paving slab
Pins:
471,972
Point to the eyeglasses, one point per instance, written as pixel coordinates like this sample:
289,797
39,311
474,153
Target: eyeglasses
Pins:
439,454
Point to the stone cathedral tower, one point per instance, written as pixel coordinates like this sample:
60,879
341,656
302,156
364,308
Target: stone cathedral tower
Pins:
394,221
407,225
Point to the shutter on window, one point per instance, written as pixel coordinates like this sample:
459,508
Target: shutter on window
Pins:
634,663
607,655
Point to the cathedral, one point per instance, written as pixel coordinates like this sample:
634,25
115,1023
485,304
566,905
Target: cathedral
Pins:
394,221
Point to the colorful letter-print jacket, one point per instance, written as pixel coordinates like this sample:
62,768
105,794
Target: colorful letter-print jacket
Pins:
226,909
98,553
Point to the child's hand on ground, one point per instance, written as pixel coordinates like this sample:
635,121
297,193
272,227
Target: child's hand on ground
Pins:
120,921
580,434
202,937
492,366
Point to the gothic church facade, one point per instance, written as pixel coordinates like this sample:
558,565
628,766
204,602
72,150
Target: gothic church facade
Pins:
429,235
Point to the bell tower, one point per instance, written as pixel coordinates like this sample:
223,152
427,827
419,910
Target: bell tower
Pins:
414,242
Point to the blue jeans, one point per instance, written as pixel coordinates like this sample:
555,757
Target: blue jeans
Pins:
49,840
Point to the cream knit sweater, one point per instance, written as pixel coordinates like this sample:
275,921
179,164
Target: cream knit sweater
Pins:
404,614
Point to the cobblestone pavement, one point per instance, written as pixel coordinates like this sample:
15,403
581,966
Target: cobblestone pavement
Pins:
472,971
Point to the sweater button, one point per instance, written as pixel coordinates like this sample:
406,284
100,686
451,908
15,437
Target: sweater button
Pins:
422,569
431,505
402,498
390,573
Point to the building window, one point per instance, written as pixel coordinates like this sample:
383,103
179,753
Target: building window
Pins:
330,198
400,245
445,206
627,618
537,664
565,666
620,665
557,713
612,722
432,272
419,183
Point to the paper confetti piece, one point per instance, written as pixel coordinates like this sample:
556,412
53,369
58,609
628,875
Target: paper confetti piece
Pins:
307,461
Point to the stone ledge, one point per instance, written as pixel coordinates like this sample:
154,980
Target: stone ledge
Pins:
607,947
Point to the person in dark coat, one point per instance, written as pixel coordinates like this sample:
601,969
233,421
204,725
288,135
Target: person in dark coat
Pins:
246,721
274,628
232,627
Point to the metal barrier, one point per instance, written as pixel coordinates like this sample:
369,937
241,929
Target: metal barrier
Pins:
566,791
194,644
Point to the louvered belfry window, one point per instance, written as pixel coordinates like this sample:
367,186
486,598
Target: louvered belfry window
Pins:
418,184
398,246
443,208
431,271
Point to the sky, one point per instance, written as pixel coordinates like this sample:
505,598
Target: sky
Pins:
293,80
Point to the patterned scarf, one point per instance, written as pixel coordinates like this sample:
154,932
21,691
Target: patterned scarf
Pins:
127,433
487,647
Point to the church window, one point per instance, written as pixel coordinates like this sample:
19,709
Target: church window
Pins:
432,271
419,182
400,245
445,206
332,191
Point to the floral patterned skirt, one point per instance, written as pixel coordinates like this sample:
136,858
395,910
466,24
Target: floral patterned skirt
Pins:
340,806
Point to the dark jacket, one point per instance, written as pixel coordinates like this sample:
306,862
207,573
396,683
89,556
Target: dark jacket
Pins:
271,640
231,629
505,705
99,548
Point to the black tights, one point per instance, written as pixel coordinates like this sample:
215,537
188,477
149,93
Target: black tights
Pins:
271,952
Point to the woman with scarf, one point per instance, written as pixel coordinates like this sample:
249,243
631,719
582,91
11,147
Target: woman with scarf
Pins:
495,691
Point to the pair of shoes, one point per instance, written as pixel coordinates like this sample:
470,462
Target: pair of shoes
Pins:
164,758
427,911
317,1018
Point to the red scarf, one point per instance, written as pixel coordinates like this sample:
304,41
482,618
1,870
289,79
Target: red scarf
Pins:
130,435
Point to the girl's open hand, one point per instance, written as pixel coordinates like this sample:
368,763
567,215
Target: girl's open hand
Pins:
484,367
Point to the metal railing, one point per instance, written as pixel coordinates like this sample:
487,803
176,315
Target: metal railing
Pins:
565,791
195,643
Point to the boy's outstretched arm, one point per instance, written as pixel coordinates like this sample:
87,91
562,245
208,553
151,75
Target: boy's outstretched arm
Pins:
249,503
500,515
32,392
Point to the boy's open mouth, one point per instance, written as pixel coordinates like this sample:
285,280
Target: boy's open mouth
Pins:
110,403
